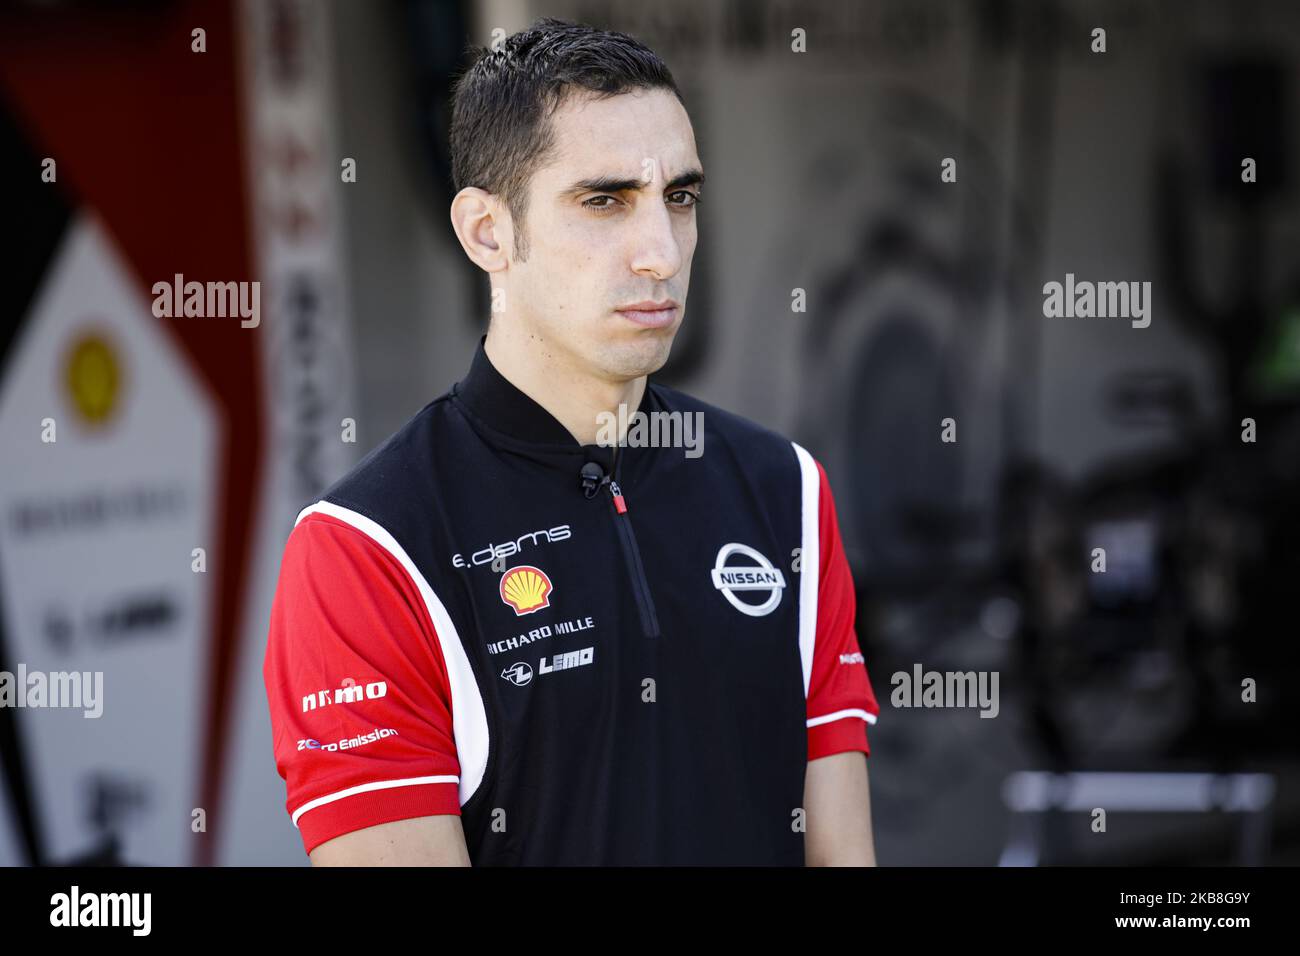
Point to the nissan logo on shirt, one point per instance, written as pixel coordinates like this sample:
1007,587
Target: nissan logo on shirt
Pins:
760,576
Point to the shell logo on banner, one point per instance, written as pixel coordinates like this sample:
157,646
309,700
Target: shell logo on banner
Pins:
92,373
526,589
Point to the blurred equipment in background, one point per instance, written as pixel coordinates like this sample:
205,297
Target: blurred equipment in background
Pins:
1148,658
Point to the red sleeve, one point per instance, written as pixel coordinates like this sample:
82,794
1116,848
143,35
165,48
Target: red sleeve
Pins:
360,703
840,700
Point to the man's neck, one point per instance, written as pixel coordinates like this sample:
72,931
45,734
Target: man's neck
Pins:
574,398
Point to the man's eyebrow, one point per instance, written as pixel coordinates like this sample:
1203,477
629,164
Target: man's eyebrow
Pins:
613,184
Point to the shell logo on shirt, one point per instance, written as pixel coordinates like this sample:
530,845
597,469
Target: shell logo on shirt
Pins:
526,589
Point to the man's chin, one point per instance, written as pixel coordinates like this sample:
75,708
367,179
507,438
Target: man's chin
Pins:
645,356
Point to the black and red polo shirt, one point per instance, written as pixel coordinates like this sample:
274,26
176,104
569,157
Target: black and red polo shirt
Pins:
594,655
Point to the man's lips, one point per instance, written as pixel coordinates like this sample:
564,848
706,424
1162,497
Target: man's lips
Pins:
651,314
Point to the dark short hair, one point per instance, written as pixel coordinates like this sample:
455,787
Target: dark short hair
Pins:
501,103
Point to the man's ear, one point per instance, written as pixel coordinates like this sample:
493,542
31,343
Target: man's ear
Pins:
483,226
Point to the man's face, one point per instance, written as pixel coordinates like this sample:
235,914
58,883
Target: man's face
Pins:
595,249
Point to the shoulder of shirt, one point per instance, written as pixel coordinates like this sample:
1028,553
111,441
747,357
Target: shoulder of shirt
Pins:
727,426
405,446
390,483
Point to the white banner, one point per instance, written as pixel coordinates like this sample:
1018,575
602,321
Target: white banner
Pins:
108,487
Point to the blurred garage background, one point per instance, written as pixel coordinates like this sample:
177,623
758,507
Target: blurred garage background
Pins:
142,140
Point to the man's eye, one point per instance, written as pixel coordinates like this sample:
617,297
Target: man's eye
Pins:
592,203
687,199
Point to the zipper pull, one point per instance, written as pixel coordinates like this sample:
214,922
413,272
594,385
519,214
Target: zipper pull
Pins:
617,494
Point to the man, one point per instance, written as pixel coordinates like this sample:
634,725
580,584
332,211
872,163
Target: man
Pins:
505,638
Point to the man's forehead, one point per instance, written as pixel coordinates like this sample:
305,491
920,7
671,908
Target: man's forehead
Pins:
616,135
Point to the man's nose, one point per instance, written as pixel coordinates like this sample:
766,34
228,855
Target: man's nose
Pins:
657,252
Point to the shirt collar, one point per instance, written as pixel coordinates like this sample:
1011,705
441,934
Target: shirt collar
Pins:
496,401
